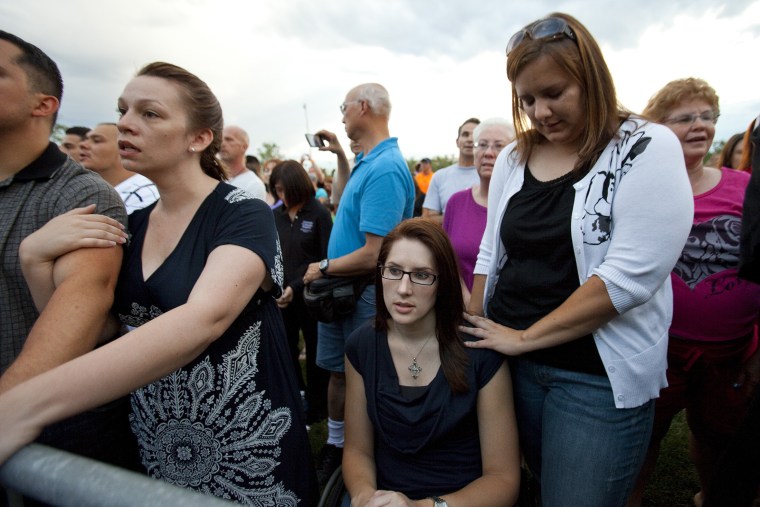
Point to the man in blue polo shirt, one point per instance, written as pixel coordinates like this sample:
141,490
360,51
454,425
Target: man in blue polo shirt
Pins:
375,197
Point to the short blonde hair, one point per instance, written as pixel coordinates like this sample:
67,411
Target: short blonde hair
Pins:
674,93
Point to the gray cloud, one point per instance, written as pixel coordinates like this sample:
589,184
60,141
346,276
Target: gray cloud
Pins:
248,52
459,30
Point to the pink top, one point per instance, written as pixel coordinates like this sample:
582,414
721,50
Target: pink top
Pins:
709,302
465,221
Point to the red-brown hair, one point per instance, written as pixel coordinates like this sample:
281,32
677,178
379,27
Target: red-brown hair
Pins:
449,304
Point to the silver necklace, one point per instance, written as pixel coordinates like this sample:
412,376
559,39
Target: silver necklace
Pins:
415,368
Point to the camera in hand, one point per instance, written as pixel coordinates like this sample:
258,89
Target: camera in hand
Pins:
315,140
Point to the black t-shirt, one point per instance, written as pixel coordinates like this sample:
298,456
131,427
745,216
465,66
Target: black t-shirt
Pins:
541,272
426,440
303,241
749,266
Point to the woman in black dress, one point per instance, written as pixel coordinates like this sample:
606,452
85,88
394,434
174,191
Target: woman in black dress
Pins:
215,404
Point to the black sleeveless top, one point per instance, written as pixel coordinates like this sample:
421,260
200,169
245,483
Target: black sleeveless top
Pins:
541,272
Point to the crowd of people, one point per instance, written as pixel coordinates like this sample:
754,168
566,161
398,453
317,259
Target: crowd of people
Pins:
524,324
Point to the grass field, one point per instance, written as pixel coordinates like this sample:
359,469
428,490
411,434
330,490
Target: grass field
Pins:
673,483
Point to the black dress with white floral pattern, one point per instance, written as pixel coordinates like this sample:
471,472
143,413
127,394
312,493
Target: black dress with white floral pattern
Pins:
230,423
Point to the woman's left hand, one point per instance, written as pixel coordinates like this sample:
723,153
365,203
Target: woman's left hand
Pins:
383,498
286,298
75,229
493,336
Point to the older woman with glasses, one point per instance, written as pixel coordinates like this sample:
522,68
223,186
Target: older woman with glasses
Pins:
587,214
428,421
465,218
714,312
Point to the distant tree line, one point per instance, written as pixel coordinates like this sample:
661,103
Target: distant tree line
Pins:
272,150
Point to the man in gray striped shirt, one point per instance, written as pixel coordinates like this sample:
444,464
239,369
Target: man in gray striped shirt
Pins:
37,183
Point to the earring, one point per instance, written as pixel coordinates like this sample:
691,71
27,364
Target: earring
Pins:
192,149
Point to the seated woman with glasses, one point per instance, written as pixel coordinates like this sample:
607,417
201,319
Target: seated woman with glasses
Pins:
428,421
714,311
587,214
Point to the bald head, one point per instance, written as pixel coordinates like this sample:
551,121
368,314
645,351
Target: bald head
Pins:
375,95
238,133
234,145
100,149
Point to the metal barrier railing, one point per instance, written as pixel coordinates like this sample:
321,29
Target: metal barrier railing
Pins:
67,480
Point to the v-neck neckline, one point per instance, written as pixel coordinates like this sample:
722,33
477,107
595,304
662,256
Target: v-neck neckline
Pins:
181,241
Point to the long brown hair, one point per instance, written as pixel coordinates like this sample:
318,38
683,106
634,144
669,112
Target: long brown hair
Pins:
745,163
449,304
727,153
202,108
582,59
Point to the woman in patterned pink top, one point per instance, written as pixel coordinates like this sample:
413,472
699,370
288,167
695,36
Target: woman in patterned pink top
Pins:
712,363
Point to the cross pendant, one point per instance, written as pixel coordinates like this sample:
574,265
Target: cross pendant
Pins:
415,368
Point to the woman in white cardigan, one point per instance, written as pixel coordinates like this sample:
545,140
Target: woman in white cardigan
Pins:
588,211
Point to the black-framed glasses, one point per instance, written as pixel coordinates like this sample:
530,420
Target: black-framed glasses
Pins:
689,119
548,28
418,277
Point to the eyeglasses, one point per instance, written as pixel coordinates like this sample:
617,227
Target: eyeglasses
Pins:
345,105
688,119
549,28
496,145
418,277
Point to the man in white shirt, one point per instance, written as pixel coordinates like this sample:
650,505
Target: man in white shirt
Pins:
100,153
449,180
232,153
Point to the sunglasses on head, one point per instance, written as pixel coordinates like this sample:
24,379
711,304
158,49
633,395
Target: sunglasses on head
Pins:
544,29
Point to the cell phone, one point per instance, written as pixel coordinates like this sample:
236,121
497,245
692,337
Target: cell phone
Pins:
315,141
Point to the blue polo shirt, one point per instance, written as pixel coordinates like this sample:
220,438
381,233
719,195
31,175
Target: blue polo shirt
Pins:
378,196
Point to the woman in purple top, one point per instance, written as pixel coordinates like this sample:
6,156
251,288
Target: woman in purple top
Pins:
465,217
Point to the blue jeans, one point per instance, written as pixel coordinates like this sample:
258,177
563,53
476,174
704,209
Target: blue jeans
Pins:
582,450
331,344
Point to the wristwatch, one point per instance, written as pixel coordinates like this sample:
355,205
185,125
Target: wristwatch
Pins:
323,265
439,502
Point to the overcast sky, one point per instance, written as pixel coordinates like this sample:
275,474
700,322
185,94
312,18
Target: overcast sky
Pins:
442,61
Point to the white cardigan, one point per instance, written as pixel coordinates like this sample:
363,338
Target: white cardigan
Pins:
631,216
